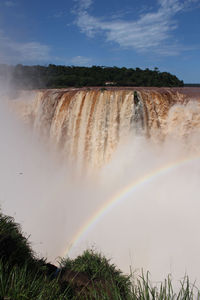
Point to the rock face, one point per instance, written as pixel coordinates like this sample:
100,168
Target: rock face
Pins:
86,125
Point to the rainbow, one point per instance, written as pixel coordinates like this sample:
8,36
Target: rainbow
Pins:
122,195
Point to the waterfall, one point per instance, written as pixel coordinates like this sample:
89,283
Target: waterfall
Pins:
87,125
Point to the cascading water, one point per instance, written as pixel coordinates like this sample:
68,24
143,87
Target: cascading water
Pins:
87,125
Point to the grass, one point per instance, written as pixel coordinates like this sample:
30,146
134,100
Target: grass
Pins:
89,276
21,283
14,247
144,290
101,272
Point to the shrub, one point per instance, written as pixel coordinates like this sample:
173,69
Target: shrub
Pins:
100,271
14,247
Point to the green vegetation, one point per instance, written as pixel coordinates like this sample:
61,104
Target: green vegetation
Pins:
14,247
52,76
101,272
192,84
89,276
19,283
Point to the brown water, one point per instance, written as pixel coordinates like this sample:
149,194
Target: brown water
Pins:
87,125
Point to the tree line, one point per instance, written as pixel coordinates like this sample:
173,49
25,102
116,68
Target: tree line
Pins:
58,76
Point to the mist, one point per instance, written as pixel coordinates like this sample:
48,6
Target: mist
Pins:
155,228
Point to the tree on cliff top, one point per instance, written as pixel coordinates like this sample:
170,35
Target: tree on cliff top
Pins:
52,76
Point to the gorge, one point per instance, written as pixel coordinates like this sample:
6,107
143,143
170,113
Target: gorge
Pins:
121,135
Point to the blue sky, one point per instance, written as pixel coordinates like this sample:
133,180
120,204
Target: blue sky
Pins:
130,33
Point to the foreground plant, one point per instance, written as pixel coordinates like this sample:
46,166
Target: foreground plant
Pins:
143,289
90,276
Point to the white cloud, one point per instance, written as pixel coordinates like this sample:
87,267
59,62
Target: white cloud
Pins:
150,32
16,52
80,60
83,4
